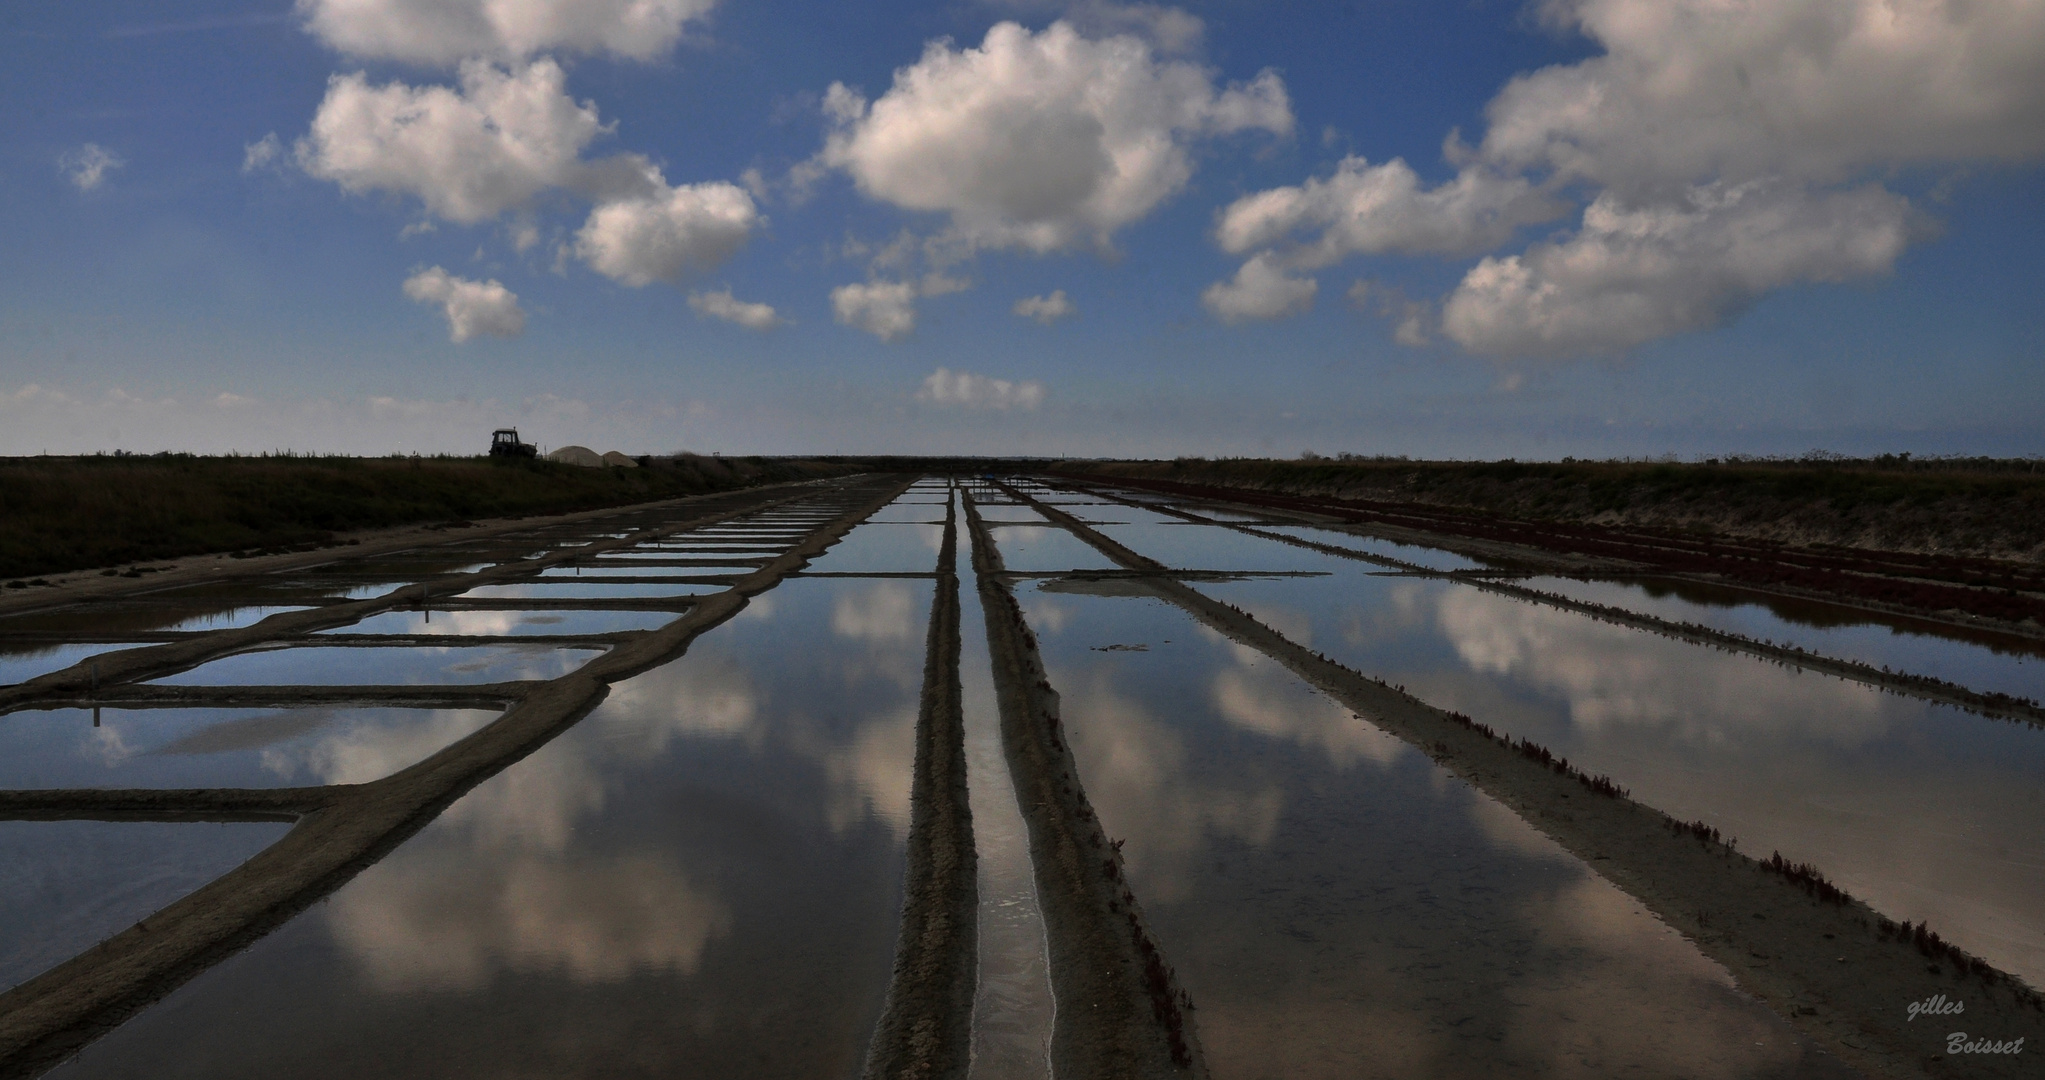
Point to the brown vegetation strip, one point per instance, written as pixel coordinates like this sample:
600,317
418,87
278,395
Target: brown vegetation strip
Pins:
62,514
926,1031
2002,706
1121,1012
1831,965
382,544
2010,594
51,1016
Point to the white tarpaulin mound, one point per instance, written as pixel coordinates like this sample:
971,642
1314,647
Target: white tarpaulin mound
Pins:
613,457
577,455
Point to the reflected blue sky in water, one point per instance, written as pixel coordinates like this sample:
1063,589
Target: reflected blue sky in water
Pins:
1850,635
1339,907
215,747
703,875
1922,810
334,665
508,622
67,885
24,662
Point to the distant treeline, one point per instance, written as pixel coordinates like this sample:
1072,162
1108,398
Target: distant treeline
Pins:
59,514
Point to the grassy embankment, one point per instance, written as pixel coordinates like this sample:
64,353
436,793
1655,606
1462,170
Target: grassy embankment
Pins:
62,514
1983,508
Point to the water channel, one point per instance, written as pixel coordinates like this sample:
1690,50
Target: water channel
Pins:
704,875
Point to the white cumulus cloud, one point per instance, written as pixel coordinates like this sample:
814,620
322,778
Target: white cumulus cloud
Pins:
1042,141
963,389
1261,289
262,153
1719,146
446,31
659,235
1689,89
1168,28
1632,274
470,154
722,305
471,307
87,166
1045,309
502,138
885,309
1372,209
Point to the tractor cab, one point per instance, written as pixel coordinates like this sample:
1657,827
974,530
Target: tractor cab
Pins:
504,443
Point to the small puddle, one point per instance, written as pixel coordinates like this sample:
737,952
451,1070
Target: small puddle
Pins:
557,589
215,747
1039,548
882,548
556,573
2006,665
108,619
1431,558
331,665
68,885
508,622
20,663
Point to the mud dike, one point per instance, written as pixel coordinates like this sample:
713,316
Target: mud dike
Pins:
694,788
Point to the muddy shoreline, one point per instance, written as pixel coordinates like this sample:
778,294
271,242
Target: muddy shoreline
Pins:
1830,965
51,1016
1121,1011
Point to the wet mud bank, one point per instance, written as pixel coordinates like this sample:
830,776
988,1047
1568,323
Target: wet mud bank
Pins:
47,1018
1834,967
926,1030
1120,1009
2001,706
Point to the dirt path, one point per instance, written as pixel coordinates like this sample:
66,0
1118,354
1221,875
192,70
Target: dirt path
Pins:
1121,1012
926,1030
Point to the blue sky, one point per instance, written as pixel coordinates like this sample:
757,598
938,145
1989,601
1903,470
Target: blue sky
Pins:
1661,226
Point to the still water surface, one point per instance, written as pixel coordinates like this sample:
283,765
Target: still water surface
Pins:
1337,906
702,878
220,747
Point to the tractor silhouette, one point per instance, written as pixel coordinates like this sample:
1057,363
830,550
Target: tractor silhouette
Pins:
504,443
